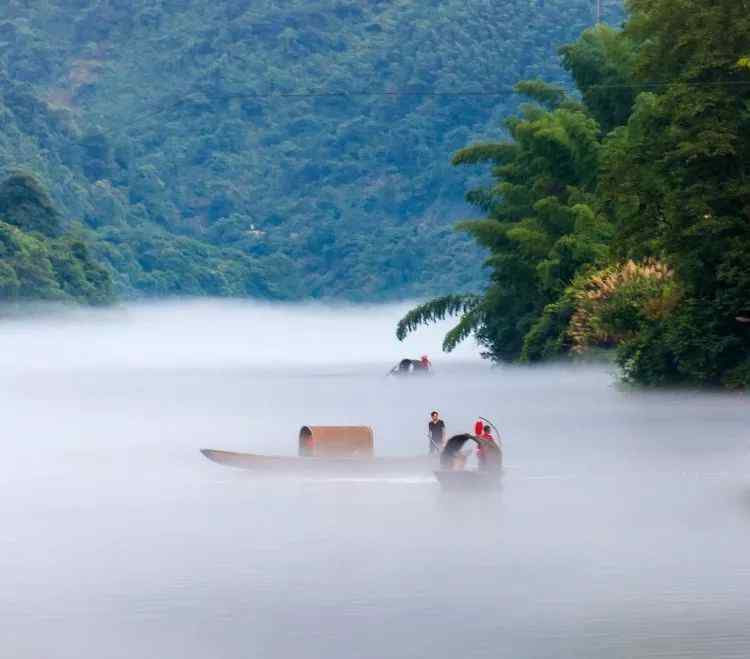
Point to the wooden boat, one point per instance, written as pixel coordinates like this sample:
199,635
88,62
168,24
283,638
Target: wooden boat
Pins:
454,478
279,465
328,451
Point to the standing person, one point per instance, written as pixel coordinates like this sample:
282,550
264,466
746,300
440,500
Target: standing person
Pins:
436,430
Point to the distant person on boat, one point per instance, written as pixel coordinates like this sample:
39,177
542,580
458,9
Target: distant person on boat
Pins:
423,364
407,366
436,430
306,442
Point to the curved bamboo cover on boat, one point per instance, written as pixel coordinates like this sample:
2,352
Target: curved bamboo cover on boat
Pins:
336,441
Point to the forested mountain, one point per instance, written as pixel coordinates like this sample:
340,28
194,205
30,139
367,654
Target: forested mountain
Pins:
274,149
38,259
622,218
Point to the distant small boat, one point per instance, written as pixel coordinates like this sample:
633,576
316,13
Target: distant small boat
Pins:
412,367
279,465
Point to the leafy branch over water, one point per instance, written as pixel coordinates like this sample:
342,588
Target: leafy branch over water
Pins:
468,306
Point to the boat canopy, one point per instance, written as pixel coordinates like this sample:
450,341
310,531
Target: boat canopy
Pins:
336,441
493,452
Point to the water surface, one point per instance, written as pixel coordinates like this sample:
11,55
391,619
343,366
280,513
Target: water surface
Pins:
622,529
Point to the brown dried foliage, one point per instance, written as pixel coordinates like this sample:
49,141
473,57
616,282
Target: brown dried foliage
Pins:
585,328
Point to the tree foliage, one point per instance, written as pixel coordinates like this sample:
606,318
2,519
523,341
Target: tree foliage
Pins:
612,305
678,180
541,227
25,204
261,142
468,306
651,168
35,265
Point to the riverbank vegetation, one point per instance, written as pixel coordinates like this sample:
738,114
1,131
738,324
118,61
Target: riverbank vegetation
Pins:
620,216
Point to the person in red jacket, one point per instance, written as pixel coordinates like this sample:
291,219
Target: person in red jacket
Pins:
486,444
423,365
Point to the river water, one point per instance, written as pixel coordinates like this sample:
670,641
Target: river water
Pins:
622,529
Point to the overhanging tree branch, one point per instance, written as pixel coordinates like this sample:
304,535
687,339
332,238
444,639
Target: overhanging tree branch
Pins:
436,310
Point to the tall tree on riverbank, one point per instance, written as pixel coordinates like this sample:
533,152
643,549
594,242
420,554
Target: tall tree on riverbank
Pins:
677,178
541,227
667,103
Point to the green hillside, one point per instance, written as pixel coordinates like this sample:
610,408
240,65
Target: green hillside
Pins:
281,150
38,259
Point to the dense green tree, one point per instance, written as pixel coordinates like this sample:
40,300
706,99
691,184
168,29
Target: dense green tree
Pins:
676,177
601,63
35,262
541,228
653,166
25,204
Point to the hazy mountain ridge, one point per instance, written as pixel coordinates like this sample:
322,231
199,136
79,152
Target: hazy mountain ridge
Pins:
158,119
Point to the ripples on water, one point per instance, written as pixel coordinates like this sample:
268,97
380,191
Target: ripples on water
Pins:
622,529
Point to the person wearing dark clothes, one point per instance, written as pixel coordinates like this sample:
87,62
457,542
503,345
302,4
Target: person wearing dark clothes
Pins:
436,429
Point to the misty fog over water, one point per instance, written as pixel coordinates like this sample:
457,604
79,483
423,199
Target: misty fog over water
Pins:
622,528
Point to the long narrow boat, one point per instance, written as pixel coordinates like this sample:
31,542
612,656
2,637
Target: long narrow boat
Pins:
324,466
